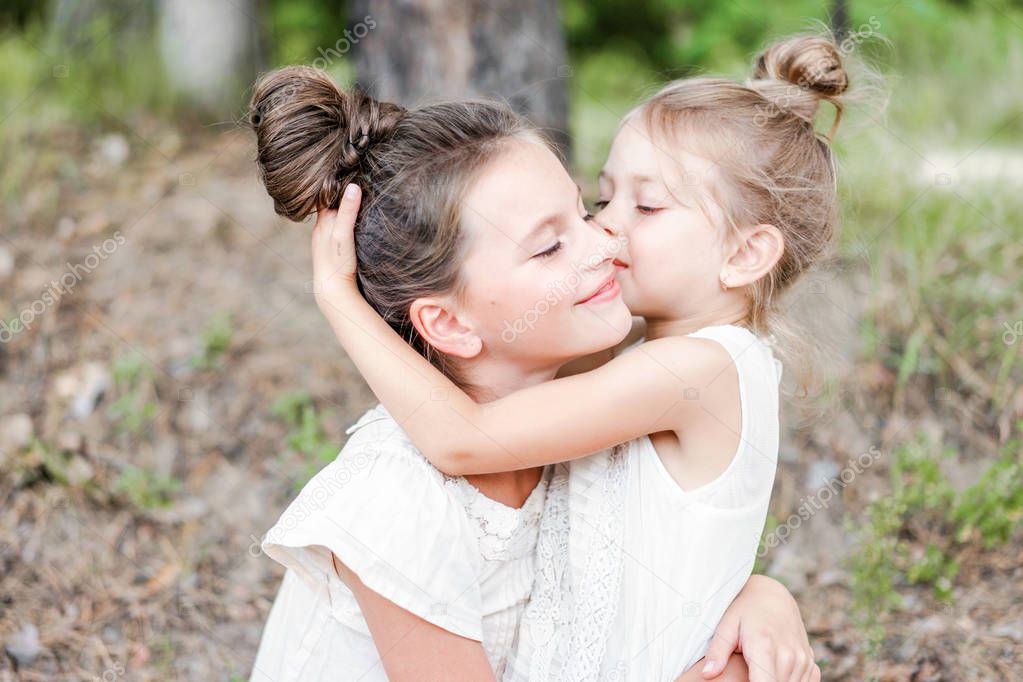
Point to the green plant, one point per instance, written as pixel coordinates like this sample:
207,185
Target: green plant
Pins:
215,341
55,463
133,409
146,489
306,436
993,507
873,568
913,534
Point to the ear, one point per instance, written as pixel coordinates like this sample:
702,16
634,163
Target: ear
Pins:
753,256
440,325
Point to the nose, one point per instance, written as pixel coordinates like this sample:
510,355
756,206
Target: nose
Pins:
605,226
602,247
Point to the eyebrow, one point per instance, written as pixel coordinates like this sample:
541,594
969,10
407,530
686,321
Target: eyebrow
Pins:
548,221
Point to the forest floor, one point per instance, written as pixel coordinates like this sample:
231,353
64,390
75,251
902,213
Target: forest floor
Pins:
157,413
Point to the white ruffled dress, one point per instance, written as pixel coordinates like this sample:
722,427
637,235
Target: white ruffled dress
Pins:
432,544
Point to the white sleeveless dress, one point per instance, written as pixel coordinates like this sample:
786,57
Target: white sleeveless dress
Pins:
633,572
431,543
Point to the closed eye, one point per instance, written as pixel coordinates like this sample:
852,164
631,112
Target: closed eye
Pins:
601,205
647,210
547,253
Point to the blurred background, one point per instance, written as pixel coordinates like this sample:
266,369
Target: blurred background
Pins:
166,382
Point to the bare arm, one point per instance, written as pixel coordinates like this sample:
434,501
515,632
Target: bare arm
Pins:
412,649
632,395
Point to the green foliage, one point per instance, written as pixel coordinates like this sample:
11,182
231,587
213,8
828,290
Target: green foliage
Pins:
936,569
993,507
873,565
145,489
918,483
55,463
215,341
101,77
134,408
913,534
298,28
306,437
677,36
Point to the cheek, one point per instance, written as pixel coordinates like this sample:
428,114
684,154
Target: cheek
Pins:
655,250
529,301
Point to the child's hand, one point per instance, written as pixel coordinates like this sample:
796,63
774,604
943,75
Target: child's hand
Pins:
334,253
764,624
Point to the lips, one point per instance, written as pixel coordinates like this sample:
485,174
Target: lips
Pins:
618,264
608,289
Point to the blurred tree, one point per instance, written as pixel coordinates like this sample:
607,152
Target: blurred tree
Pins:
421,49
212,51
18,12
75,24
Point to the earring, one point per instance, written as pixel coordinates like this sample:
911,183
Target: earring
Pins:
721,281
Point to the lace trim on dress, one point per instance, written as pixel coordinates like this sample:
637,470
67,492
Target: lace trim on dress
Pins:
548,612
597,596
499,528
570,622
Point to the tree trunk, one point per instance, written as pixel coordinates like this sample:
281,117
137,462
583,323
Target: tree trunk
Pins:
212,51
419,50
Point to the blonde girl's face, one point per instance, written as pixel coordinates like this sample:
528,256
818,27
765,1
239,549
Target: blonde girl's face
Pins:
650,193
539,277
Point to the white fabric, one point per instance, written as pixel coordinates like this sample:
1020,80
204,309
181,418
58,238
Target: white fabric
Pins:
431,543
680,557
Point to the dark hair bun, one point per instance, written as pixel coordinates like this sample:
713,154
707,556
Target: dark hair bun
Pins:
313,138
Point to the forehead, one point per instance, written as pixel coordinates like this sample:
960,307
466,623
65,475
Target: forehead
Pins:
520,187
645,157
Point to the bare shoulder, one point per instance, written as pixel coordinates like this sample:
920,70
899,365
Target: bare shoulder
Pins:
696,360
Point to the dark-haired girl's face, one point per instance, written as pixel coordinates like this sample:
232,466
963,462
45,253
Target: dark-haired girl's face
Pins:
539,278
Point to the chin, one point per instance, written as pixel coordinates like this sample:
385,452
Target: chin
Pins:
616,326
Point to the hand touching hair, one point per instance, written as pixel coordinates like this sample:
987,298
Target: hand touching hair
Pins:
413,166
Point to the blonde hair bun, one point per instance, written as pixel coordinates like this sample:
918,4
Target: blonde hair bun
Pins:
811,63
